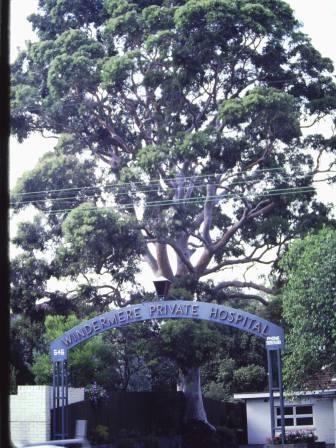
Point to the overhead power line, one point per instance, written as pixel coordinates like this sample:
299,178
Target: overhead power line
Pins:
143,192
196,200
156,182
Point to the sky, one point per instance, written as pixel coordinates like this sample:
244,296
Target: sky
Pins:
318,19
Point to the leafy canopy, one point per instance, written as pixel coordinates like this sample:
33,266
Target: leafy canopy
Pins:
195,110
309,306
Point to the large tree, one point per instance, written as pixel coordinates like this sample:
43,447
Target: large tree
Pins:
179,126
310,292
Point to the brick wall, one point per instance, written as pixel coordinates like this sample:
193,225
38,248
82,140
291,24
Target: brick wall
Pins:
30,413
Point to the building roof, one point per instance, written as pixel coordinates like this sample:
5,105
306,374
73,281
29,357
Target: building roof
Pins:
325,379
322,383
305,393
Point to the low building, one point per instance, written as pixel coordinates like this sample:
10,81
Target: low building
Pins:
309,410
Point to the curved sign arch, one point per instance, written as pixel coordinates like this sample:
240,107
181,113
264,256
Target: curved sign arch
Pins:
168,309
164,309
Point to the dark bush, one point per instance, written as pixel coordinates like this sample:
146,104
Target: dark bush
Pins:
138,442
150,442
126,443
99,435
227,437
197,434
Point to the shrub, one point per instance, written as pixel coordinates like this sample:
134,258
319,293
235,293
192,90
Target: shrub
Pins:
197,434
126,443
227,437
138,442
99,435
150,442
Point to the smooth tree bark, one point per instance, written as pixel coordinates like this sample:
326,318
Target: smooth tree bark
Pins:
190,385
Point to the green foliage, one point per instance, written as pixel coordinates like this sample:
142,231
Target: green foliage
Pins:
265,111
100,238
229,376
57,325
251,377
152,156
116,70
309,306
28,283
86,361
57,183
115,360
202,341
216,391
26,338
31,235
64,14
238,364
41,369
99,435
143,85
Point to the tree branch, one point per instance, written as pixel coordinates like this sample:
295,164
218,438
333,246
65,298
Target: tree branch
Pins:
235,261
150,259
230,232
242,296
208,212
208,252
256,211
252,285
163,262
184,259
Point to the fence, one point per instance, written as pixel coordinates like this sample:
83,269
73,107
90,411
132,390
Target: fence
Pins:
230,415
151,412
131,412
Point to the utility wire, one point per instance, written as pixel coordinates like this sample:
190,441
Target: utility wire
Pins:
127,193
196,200
131,185
157,181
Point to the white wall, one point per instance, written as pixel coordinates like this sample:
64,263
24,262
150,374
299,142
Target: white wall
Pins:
30,413
323,414
259,422
334,406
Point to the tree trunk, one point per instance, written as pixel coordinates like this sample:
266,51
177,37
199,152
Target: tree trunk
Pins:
190,385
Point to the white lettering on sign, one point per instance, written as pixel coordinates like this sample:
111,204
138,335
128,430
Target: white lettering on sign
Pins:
59,352
240,320
176,309
273,340
101,323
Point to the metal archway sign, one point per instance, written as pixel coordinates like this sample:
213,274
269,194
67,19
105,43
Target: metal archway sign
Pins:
167,309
